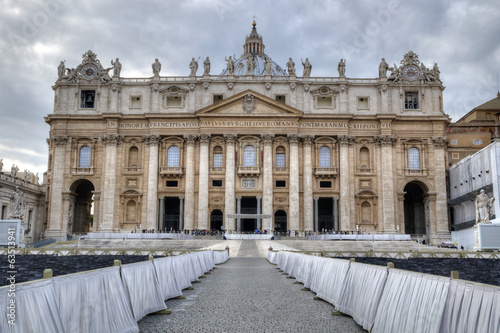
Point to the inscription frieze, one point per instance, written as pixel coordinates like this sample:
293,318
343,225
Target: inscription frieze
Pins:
246,123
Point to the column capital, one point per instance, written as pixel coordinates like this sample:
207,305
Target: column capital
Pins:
230,138
238,198
307,140
267,139
439,142
293,139
259,197
386,140
181,198
60,140
113,139
204,139
345,140
316,198
190,139
151,139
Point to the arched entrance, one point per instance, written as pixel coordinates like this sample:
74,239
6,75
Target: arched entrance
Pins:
414,209
280,221
216,220
80,211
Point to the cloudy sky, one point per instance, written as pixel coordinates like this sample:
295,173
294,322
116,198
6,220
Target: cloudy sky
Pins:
463,37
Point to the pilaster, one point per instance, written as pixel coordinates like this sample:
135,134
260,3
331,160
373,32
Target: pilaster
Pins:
203,182
440,144
267,186
293,207
151,141
189,194
229,204
386,143
345,192
108,194
307,179
56,208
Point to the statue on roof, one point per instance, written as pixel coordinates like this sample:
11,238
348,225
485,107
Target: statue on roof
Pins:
61,69
341,68
193,65
230,65
436,72
307,68
17,204
250,65
117,67
290,65
206,67
269,66
156,68
382,69
483,206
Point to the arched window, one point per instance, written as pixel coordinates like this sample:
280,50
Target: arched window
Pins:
413,158
324,157
133,157
84,161
173,156
249,155
280,157
217,157
364,158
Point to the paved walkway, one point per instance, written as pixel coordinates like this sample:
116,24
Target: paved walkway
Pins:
247,294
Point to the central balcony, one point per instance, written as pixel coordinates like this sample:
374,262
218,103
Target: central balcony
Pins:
248,170
171,172
325,172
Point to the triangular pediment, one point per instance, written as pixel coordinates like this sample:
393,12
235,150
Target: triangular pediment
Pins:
249,104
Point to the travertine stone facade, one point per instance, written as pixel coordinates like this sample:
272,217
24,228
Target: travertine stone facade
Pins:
315,153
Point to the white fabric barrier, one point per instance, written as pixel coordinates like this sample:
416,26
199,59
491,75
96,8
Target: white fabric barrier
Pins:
166,278
248,236
471,307
377,237
36,308
142,286
272,257
196,264
207,260
183,271
94,301
331,280
132,235
361,293
220,257
411,302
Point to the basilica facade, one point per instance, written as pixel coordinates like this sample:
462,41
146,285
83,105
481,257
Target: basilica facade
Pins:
183,153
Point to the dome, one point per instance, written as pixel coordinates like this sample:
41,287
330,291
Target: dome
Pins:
254,47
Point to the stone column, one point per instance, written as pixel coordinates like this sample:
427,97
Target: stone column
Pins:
267,186
161,215
189,209
229,205
293,207
238,211
115,93
181,213
386,146
335,214
308,186
151,141
56,201
345,191
109,189
441,218
258,212
316,214
203,183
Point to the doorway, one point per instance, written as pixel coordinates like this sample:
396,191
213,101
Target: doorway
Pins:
414,209
248,206
171,218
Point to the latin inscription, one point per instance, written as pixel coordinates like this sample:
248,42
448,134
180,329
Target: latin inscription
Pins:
249,123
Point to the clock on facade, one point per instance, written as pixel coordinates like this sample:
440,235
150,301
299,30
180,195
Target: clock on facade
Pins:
89,71
411,72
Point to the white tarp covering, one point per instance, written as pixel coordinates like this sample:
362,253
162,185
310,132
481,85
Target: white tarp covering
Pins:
331,280
248,236
183,271
357,237
361,293
36,309
272,257
133,235
94,301
143,289
471,307
220,257
166,278
411,302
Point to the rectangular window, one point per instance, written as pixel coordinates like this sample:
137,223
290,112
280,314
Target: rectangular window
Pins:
324,184
281,183
172,183
217,183
135,102
174,101
324,102
477,142
87,99
4,212
411,101
454,142
280,160
218,98
281,98
363,103
217,160
455,156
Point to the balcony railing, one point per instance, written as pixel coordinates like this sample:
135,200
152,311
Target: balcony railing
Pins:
248,170
82,171
325,172
132,170
171,171
280,169
416,172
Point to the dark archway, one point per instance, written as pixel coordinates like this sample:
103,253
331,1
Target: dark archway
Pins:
80,213
216,220
325,214
414,209
280,221
171,218
248,206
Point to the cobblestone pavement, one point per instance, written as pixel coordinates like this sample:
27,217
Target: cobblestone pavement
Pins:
248,294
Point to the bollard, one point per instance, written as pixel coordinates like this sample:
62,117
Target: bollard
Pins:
150,256
47,273
352,260
455,275
117,262
390,264
227,249
270,248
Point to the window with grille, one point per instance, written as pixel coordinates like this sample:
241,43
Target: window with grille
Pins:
218,157
84,157
477,142
324,157
173,156
411,101
413,158
280,157
249,155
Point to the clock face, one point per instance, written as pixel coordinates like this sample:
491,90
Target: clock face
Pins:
411,72
89,71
